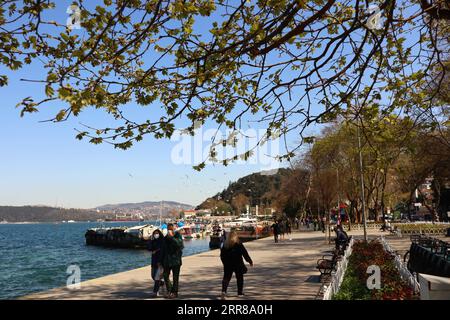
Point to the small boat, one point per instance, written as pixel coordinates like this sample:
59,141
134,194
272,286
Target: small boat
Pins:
216,238
186,232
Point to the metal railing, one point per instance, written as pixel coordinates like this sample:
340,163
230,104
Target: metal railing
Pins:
405,274
336,278
359,227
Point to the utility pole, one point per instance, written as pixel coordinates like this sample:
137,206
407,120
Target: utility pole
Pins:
362,186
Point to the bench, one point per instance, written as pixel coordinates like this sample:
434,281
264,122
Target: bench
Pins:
328,263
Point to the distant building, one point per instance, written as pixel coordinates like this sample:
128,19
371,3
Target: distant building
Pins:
196,213
189,213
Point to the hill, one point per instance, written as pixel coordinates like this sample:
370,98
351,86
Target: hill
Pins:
148,209
47,214
254,189
144,205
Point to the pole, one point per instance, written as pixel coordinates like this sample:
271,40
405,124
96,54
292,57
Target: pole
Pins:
362,186
329,226
339,196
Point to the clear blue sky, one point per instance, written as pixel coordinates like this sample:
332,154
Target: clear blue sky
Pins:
43,163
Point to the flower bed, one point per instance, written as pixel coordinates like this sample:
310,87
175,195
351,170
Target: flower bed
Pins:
354,285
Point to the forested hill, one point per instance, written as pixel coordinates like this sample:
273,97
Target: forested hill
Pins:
257,188
47,214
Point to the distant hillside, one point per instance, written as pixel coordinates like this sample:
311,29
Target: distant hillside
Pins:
47,214
148,209
257,189
145,204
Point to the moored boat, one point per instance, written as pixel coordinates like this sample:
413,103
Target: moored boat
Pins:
120,237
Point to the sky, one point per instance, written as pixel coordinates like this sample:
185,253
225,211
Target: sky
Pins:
41,163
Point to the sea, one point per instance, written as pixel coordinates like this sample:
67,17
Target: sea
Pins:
40,256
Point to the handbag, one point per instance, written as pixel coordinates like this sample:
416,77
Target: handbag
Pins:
244,270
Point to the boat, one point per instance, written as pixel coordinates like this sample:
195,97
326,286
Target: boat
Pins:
186,232
244,218
216,238
136,237
248,227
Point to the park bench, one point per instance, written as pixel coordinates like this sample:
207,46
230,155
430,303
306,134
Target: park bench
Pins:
328,263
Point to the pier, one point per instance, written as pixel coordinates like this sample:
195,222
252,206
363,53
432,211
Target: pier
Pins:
283,271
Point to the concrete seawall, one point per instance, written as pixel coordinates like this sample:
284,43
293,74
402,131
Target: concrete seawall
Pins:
284,270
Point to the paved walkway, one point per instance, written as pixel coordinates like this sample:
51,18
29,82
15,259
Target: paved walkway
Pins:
286,270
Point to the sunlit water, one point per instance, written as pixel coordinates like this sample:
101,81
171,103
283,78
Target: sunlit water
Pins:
35,257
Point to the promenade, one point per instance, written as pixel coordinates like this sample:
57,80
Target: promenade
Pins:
284,270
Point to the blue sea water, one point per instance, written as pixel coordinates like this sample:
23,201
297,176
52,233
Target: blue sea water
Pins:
35,257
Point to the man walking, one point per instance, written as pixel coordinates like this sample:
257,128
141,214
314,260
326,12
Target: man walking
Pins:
276,230
173,250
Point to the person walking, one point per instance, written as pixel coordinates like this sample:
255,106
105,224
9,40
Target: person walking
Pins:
322,223
173,250
282,226
289,229
156,247
276,230
232,255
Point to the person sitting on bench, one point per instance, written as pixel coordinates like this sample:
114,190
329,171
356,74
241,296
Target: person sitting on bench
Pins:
341,237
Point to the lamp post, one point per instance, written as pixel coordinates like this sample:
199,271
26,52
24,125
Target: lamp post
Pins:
362,186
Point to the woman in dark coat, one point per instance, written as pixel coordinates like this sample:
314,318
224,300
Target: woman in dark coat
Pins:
156,246
232,255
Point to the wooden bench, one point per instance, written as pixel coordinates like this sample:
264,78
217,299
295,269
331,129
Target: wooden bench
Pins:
327,264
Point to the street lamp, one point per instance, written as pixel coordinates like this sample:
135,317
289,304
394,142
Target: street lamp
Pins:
362,186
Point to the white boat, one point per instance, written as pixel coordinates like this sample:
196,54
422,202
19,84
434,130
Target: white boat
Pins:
144,232
244,219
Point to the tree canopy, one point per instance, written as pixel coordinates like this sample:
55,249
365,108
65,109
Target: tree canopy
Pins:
285,64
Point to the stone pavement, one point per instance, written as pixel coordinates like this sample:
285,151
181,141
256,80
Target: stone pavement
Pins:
284,270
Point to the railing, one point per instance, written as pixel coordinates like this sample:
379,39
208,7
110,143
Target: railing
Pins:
338,276
359,227
409,229
402,269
